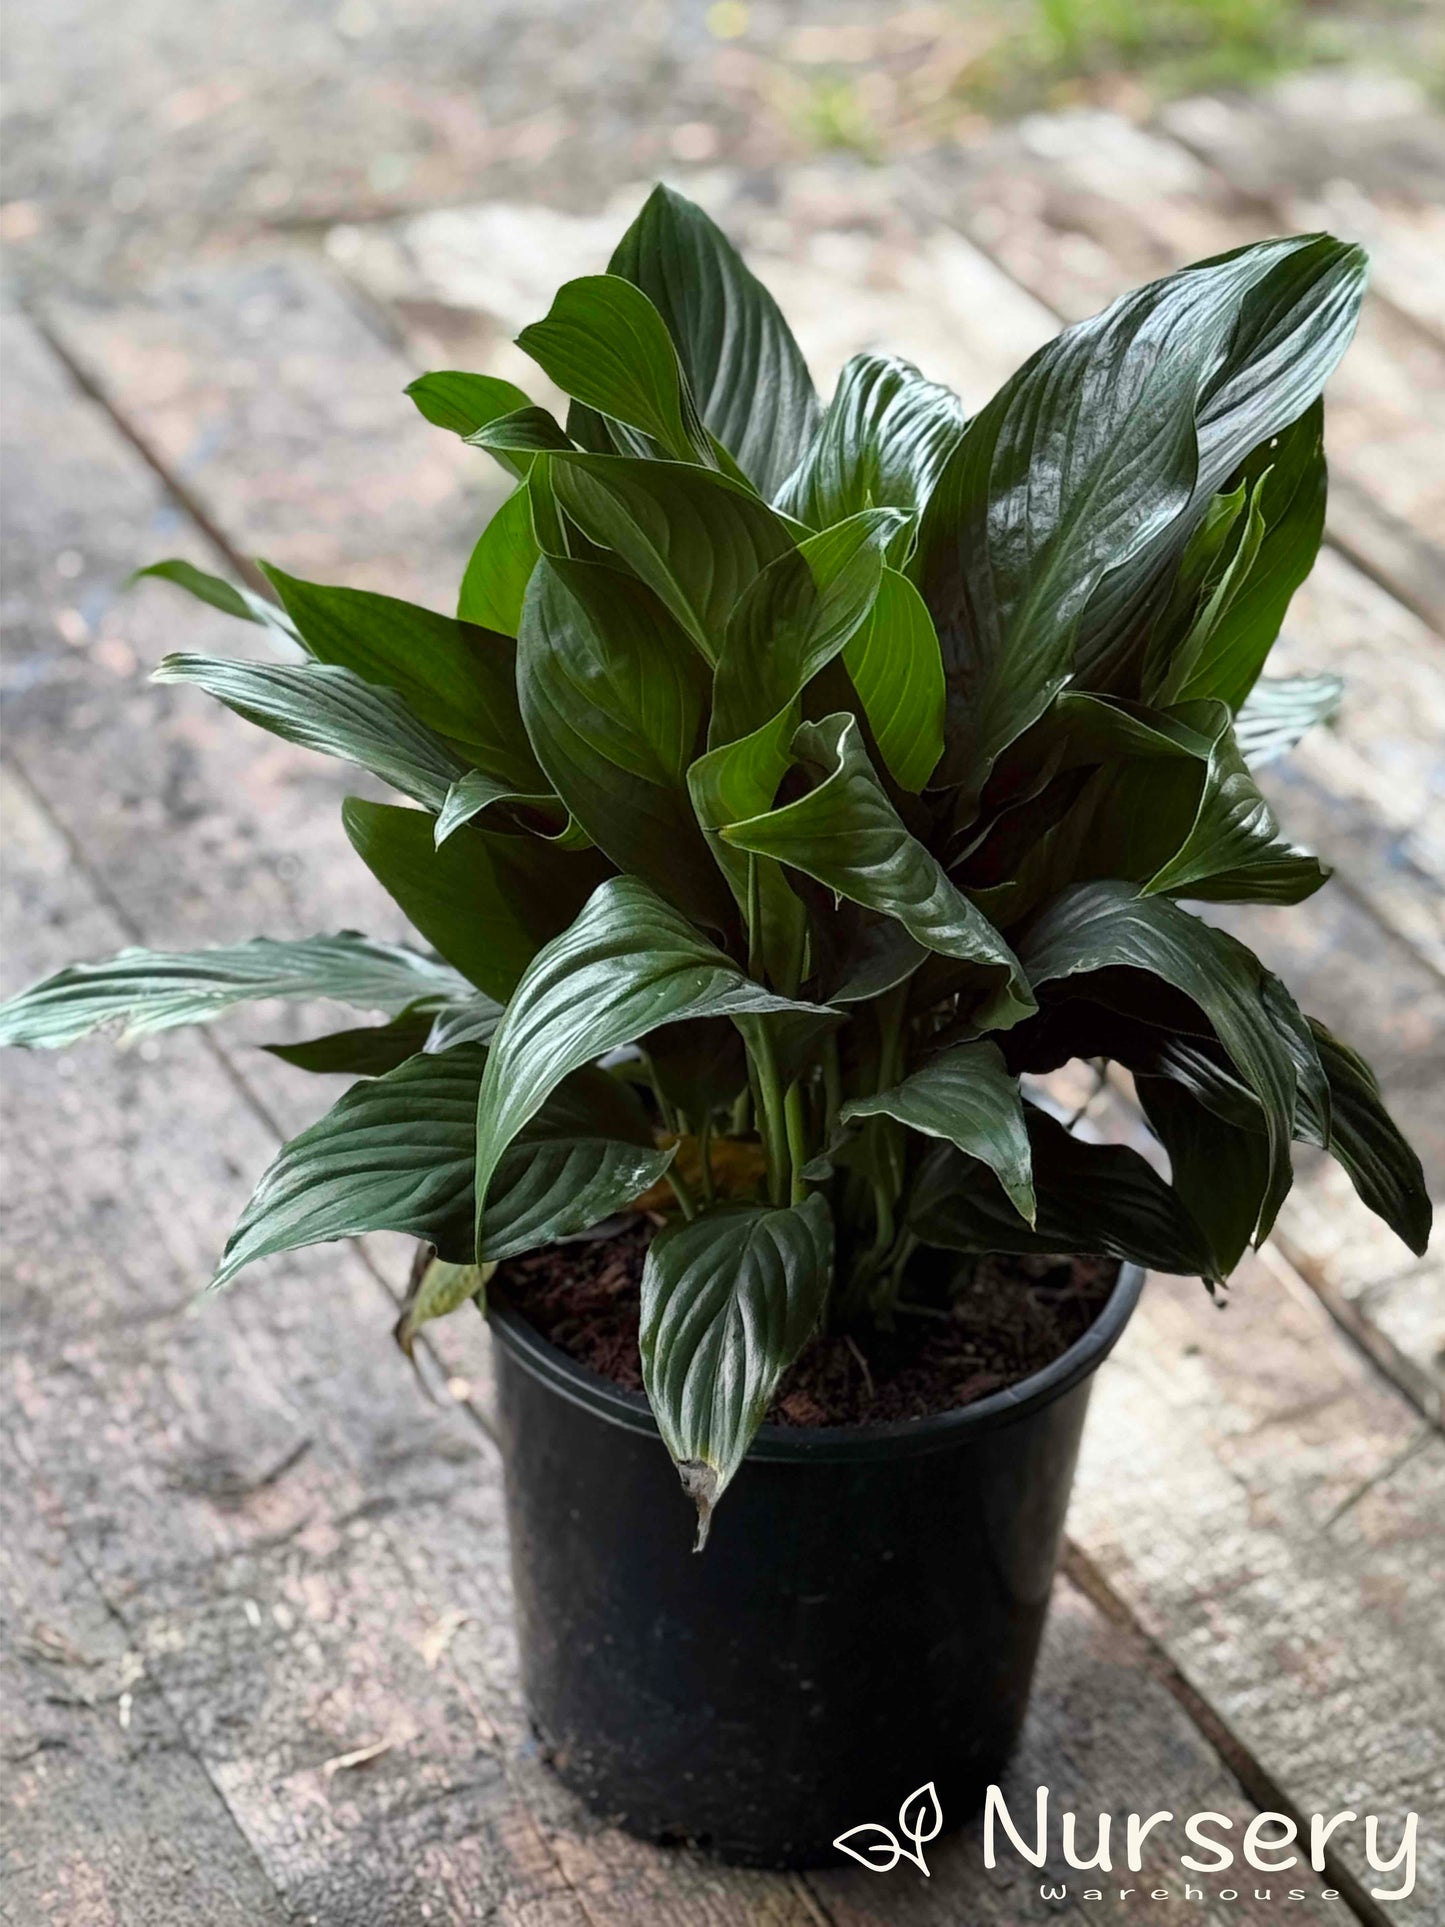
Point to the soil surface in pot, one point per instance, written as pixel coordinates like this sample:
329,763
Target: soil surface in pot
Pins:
1014,1317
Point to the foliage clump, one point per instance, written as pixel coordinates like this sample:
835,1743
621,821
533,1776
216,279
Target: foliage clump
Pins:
794,785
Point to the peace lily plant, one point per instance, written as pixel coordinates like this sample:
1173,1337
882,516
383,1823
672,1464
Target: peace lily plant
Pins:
791,785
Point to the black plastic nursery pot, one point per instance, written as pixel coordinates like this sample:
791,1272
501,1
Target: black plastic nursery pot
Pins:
865,1618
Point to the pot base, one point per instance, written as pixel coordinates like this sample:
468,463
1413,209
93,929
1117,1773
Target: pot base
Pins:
865,1618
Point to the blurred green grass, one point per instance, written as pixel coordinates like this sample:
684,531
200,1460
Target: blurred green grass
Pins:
923,73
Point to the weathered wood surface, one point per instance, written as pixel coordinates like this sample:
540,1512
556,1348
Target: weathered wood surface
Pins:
273,1453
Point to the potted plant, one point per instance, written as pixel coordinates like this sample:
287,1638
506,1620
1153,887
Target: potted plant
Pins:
796,787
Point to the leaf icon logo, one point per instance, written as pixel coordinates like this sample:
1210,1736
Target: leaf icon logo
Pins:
879,1849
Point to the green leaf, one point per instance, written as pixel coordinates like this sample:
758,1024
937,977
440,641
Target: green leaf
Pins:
465,403
1173,808
1233,852
527,432
396,1153
473,1021
149,990
1098,1199
629,964
746,373
883,443
604,343
694,537
612,694
1107,926
220,594
1236,627
476,792
847,835
1279,710
363,1052
794,618
1293,321
1365,1139
967,1096
487,903
453,676
733,782
437,1289
332,711
1077,487
494,584
1219,1171
728,1302
896,667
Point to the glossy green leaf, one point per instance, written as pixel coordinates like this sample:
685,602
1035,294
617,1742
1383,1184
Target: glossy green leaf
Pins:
695,538
396,1153
487,903
1239,619
458,679
612,694
883,443
1294,306
476,792
1076,487
728,1302
747,375
629,964
847,835
464,403
895,664
604,343
472,1021
740,780
1219,1171
366,1051
1105,927
791,622
1280,710
1098,1199
966,1096
527,432
1233,852
1365,1139
494,584
149,990
332,711
220,594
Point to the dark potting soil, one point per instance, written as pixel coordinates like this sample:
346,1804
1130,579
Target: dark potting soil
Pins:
1014,1316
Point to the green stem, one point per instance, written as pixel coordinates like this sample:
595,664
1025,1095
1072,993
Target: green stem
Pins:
704,1149
682,1192
771,1119
797,1140
832,1088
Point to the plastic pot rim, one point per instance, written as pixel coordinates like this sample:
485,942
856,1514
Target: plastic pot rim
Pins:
787,1443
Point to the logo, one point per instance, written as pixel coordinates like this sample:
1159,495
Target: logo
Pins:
879,1848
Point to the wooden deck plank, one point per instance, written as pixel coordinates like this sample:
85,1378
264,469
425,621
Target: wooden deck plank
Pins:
109,1818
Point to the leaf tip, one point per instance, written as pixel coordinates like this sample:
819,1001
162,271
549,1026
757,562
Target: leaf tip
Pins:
703,1485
